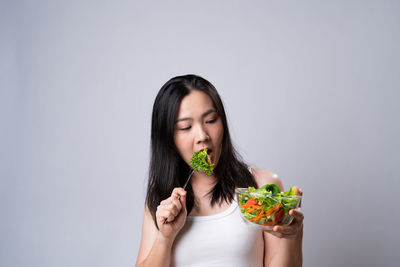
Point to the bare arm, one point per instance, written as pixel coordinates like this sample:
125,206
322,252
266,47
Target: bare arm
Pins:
282,245
156,244
283,251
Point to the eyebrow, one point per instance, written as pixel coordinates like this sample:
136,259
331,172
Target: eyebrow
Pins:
203,115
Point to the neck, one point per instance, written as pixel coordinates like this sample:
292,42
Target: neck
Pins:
202,184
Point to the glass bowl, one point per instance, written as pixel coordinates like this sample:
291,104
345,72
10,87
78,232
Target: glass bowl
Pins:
266,211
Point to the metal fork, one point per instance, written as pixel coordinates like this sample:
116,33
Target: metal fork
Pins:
187,181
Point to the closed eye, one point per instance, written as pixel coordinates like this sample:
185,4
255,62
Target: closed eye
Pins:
211,121
186,128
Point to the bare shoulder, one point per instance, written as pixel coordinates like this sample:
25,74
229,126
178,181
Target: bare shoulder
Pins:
149,235
263,177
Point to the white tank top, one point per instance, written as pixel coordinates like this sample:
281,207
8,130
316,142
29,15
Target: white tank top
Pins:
222,239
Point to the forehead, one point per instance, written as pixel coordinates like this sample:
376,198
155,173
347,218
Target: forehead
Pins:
194,104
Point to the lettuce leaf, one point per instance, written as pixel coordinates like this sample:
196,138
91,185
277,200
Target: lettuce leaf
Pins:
200,161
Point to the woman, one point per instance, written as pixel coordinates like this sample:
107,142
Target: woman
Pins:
201,226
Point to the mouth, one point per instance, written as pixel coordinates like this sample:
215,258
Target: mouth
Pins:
210,155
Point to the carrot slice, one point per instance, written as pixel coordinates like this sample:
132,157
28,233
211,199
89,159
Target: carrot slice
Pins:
259,216
273,210
252,208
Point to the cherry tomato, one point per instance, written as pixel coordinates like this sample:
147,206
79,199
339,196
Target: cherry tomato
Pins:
279,215
251,201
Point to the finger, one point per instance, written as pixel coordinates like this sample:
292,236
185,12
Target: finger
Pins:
172,209
171,218
178,192
285,231
298,191
297,214
168,201
176,204
279,229
165,201
275,233
161,219
166,215
160,212
166,208
182,201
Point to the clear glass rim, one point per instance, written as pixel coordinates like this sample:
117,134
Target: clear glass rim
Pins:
246,191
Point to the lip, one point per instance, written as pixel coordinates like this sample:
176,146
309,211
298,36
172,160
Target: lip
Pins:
204,148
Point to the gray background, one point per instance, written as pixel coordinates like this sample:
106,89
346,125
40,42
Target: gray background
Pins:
311,89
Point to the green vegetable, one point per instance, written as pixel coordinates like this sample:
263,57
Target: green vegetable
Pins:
273,188
267,205
201,161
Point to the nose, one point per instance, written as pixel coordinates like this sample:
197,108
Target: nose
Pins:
201,135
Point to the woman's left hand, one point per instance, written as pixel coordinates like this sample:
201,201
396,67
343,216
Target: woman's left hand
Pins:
295,227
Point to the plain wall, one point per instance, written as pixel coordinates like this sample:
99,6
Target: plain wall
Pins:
311,89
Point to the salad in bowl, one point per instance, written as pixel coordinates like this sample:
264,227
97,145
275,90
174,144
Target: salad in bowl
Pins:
267,206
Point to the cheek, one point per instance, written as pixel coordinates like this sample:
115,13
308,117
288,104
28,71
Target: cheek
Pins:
218,133
182,144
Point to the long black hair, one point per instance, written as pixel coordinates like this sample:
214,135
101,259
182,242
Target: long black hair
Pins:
167,169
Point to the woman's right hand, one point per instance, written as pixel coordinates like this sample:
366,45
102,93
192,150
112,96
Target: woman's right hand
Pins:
171,213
